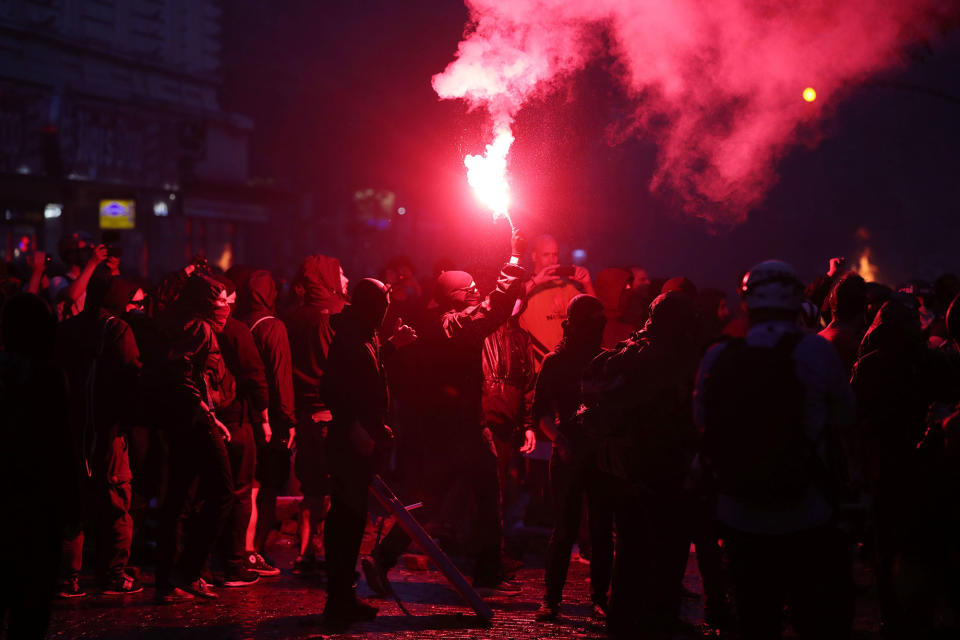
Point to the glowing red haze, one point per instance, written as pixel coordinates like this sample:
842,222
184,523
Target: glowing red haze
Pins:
718,83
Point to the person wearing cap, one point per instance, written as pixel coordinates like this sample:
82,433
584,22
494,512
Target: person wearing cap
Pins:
779,518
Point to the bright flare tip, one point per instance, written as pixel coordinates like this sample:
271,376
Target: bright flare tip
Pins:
809,94
487,174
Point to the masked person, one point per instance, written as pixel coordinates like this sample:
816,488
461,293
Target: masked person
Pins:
770,406
98,350
358,440
573,464
244,369
462,455
323,286
197,439
258,299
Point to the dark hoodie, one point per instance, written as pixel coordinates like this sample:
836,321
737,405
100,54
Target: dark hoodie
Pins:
98,351
259,298
196,371
310,329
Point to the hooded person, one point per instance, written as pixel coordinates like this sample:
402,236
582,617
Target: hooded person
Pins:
614,287
250,401
258,298
644,393
574,476
98,351
321,286
359,440
196,438
895,380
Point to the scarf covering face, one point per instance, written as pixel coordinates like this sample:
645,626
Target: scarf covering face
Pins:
199,297
454,290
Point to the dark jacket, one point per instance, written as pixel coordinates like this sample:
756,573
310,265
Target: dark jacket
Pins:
452,348
270,336
508,379
195,371
310,330
246,369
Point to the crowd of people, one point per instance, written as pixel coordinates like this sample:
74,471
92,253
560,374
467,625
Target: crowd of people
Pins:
783,437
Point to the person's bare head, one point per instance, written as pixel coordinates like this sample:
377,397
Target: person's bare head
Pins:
545,252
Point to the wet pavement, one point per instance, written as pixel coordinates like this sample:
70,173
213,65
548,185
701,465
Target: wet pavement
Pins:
288,606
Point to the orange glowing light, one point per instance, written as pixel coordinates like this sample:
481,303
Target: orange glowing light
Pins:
487,174
809,94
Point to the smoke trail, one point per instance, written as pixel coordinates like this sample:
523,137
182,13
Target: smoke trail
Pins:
718,83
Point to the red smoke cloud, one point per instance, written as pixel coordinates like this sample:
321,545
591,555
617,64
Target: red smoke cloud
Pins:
718,83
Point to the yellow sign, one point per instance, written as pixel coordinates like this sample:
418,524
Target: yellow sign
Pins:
117,214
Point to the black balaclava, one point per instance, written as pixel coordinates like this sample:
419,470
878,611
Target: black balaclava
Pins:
368,304
199,299
456,290
584,324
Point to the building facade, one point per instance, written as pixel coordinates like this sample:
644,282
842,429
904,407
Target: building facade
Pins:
110,119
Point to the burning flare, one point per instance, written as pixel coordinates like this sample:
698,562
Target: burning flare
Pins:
487,174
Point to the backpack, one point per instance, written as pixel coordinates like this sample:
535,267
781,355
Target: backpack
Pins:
754,436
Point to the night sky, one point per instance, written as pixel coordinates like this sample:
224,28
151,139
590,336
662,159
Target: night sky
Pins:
341,96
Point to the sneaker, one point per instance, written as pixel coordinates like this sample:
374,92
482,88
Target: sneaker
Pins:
598,611
341,613
547,613
173,595
304,566
502,588
70,588
121,585
255,562
202,589
240,577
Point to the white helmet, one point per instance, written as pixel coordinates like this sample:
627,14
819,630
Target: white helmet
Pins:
772,284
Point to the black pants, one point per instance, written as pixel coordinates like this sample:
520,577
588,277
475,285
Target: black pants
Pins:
198,454
272,473
651,540
347,518
810,571
242,453
571,482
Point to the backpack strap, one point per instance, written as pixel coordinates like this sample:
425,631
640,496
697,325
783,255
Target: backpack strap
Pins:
254,325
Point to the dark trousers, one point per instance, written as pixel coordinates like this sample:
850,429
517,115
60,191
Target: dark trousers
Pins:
477,482
571,482
810,571
242,454
645,589
272,473
346,519
197,455
107,498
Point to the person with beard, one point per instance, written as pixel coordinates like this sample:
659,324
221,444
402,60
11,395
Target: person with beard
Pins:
643,403
258,301
462,456
323,288
196,438
245,372
359,440
38,466
98,351
573,469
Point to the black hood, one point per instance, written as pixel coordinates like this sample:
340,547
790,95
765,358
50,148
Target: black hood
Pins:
260,294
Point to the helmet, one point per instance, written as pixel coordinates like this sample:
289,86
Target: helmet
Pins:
772,284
